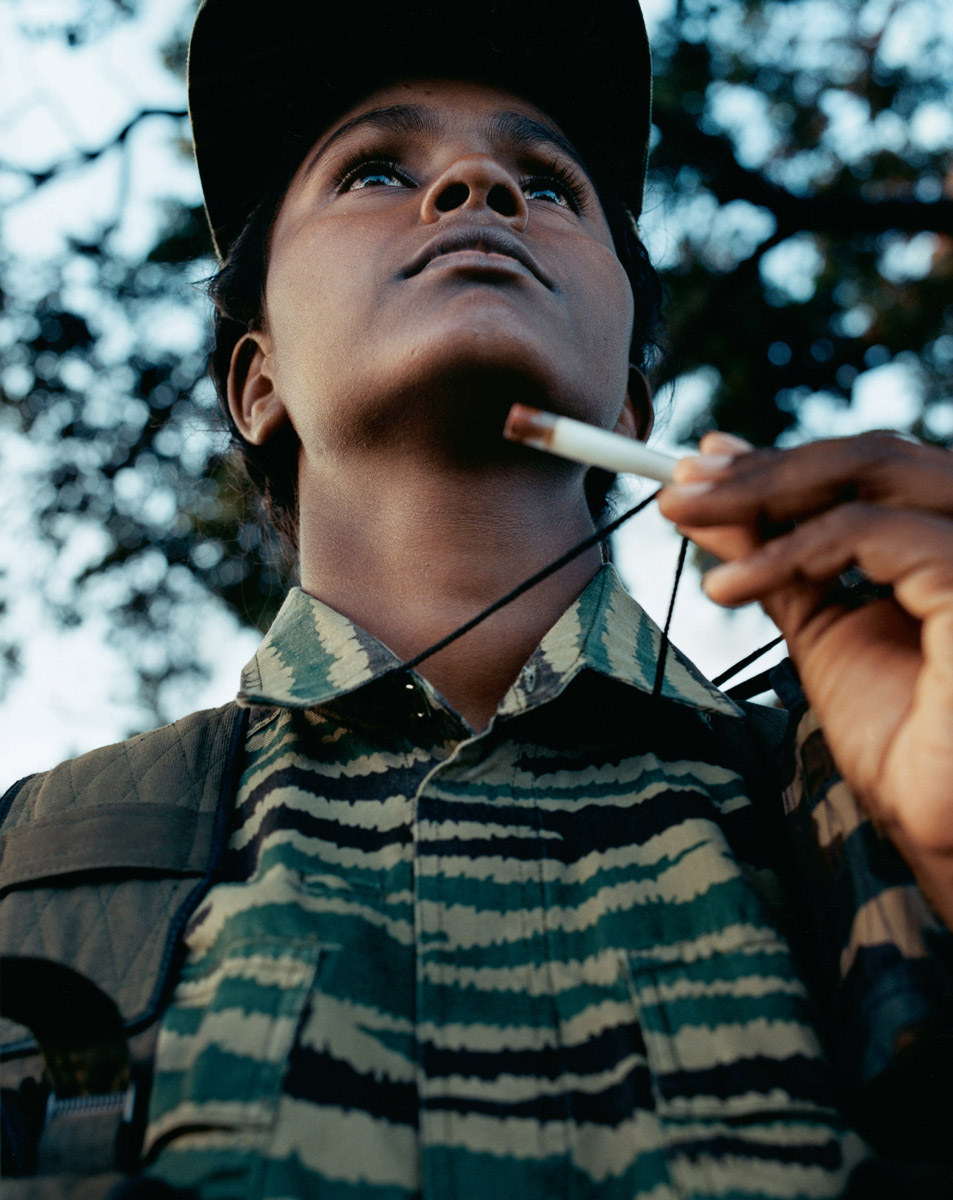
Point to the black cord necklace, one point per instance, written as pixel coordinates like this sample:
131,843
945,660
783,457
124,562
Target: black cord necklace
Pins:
592,539
557,564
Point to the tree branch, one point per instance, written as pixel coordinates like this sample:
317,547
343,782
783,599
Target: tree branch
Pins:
828,212
84,157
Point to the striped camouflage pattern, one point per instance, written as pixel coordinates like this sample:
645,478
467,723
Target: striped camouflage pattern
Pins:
886,958
541,962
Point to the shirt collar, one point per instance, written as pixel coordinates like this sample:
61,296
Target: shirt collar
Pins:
312,655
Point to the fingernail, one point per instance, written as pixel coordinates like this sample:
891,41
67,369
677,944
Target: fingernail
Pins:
686,491
725,573
727,443
704,464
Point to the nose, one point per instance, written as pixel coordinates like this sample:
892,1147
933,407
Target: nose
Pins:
471,183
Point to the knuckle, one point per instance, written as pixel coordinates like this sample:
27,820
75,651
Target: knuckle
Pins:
889,454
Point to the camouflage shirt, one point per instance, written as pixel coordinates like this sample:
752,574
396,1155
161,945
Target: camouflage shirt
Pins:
544,961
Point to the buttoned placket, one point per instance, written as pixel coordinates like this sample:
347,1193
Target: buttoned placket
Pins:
429,933
430,899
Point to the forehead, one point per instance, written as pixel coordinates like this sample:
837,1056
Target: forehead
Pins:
441,107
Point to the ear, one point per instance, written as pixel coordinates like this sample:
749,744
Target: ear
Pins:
254,403
638,415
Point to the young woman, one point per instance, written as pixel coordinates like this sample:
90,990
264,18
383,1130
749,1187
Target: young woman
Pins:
509,921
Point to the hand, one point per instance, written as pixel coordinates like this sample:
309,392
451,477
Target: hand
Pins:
787,523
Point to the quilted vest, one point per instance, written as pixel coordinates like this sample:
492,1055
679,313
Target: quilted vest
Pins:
103,860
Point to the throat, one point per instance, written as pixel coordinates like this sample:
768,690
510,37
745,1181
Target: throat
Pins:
413,573
474,673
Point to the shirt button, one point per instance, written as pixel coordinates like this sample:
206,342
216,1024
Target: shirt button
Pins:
529,676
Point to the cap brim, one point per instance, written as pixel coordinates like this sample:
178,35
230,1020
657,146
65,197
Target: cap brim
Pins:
266,78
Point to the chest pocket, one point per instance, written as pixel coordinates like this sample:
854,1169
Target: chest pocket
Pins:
226,1038
739,1077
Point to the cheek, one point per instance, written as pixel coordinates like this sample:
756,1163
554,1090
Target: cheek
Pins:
619,306
606,311
308,302
297,286
324,281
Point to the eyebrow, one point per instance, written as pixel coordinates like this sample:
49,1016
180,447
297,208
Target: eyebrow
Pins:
396,118
526,132
516,128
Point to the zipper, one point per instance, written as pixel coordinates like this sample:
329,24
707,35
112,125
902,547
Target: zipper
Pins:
99,1105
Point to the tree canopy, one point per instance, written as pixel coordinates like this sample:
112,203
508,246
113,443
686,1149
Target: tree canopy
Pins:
800,209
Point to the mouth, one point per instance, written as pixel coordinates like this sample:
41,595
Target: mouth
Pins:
479,247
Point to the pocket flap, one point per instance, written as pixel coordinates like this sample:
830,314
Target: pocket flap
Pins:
107,837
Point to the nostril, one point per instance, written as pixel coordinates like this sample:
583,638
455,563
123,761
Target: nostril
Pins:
502,200
452,197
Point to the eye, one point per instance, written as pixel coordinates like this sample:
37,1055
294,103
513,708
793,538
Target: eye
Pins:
556,186
547,189
371,172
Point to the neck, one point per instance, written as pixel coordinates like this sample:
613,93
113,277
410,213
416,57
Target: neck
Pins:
410,554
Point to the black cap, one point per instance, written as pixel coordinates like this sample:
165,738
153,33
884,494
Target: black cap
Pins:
266,78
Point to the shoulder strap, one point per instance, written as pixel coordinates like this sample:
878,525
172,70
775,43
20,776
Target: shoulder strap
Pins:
755,745
757,748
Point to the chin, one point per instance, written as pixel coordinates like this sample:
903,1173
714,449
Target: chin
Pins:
453,383
487,373
489,344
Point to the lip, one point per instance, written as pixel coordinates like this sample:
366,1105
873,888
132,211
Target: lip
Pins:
473,244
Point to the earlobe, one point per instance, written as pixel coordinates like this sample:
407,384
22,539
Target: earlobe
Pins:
638,415
253,401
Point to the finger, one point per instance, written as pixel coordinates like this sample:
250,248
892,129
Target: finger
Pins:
911,551
773,487
716,441
723,541
717,450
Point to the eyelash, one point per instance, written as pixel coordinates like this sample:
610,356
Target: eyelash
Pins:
567,180
363,160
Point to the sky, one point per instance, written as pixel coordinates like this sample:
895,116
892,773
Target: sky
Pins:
75,691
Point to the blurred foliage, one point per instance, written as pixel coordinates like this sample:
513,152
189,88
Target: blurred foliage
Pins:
787,133
807,236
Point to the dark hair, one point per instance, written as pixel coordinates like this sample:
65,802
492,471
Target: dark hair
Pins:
237,292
